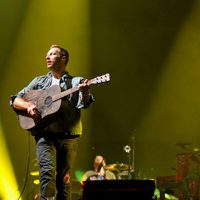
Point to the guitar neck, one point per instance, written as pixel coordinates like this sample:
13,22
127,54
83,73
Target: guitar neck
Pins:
69,91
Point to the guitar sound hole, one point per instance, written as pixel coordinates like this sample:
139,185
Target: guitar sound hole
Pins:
48,101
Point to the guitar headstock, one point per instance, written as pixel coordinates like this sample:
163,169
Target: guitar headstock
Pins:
101,79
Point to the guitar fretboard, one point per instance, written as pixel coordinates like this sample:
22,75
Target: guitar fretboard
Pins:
68,91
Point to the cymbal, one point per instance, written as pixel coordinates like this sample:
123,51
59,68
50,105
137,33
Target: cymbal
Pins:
111,167
117,167
122,167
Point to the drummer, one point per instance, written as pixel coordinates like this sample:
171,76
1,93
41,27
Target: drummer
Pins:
99,171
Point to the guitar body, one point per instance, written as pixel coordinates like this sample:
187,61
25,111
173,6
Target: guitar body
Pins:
43,99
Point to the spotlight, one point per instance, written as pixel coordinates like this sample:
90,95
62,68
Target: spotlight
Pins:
127,149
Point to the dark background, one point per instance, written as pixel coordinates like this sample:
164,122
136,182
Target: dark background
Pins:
150,49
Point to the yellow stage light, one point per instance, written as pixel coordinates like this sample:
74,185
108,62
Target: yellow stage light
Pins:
8,184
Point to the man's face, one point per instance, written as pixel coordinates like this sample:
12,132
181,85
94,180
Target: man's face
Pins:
54,59
99,160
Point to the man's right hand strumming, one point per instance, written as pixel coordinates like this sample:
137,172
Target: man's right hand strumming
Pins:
21,104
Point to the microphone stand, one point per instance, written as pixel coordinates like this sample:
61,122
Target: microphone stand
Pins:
127,149
131,159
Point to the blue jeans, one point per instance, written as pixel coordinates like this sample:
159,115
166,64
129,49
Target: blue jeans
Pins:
55,159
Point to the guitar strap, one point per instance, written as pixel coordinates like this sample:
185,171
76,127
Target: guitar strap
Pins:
69,82
73,98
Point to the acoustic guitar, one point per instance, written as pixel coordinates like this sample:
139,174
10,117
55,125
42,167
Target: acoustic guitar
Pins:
48,102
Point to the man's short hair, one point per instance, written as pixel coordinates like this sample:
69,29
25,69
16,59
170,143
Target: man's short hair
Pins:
64,52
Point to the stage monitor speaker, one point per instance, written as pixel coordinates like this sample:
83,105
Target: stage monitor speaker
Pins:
118,190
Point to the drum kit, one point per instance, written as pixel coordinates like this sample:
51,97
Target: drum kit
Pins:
120,170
